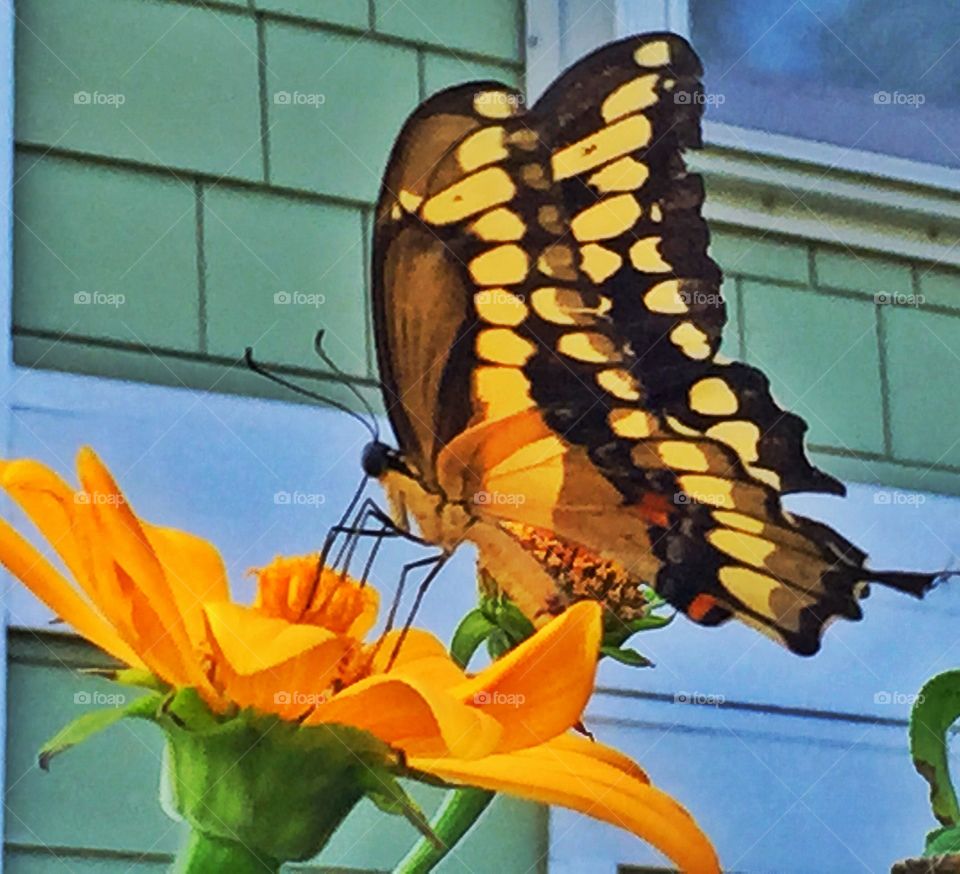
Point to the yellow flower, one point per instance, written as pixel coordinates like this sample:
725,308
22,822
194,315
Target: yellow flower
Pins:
158,599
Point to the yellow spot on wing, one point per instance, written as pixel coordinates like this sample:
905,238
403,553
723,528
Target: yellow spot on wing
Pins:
645,257
743,547
409,201
504,265
588,346
709,490
476,193
606,218
665,298
627,174
713,397
631,423
691,341
498,225
486,146
599,263
495,104
653,54
503,391
630,97
611,142
739,520
743,436
563,306
620,383
683,456
533,455
500,307
503,346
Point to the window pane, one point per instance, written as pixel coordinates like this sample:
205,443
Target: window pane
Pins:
866,74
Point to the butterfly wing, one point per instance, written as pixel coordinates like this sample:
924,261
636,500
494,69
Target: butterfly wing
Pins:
548,322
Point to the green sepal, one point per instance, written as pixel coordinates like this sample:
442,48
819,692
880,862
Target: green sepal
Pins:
510,618
942,841
937,707
84,727
385,791
472,631
626,656
135,677
499,643
617,632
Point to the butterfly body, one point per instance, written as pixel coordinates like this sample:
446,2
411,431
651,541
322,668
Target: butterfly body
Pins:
547,320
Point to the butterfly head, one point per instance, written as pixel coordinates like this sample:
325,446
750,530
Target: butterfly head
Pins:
379,458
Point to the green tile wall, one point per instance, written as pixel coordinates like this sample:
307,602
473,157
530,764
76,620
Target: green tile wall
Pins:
200,158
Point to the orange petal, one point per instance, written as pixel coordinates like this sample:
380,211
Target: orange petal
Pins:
195,572
132,552
417,644
539,690
411,716
552,774
41,578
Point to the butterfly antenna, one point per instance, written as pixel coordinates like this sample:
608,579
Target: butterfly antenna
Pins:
260,370
326,359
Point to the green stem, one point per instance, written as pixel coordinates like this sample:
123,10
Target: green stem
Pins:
204,854
459,811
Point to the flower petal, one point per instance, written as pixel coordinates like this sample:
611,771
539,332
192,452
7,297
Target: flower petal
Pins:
412,716
554,774
41,578
252,643
195,571
539,690
416,644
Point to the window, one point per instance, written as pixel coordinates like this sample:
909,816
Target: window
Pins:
863,74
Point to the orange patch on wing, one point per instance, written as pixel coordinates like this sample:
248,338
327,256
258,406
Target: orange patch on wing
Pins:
654,508
701,606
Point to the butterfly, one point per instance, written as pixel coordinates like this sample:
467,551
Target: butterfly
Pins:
547,322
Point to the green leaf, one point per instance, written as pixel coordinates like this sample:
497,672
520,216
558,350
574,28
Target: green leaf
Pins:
94,722
472,631
941,841
511,619
626,656
499,643
129,677
936,709
384,790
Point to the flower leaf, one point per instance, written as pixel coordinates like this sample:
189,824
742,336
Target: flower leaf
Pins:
942,841
472,631
626,656
94,722
384,790
936,709
511,619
